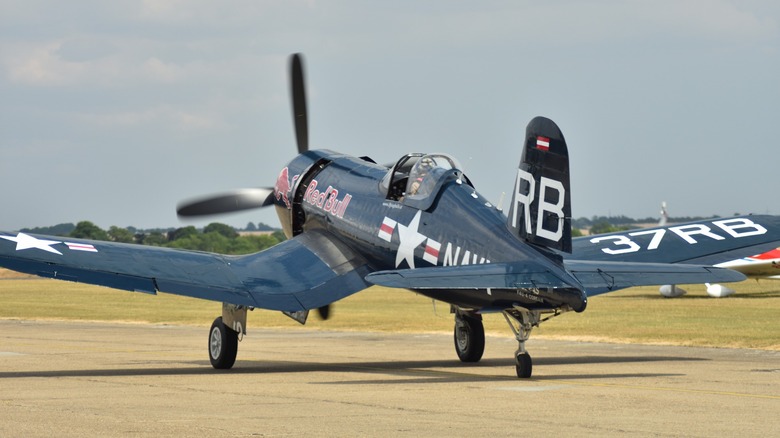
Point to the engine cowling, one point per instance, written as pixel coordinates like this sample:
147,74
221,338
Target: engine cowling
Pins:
290,187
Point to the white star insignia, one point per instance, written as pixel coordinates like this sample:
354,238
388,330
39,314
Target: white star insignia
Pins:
409,239
25,241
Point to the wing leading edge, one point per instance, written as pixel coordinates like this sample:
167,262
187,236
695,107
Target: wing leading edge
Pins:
302,273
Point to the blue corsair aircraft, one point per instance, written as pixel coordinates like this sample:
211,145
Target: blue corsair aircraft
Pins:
352,223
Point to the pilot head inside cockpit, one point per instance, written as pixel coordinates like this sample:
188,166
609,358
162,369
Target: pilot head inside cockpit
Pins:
419,172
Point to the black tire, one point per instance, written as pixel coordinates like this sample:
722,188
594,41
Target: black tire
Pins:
469,338
524,365
223,345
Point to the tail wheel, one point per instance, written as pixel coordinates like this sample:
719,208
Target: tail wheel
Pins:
469,338
524,365
223,345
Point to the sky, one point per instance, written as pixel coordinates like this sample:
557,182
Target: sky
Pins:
115,112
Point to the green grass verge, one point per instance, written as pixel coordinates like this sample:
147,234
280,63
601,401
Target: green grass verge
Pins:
748,319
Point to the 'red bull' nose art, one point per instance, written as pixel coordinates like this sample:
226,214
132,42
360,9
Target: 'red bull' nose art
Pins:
284,186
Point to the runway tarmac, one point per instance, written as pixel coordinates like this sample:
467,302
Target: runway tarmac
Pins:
100,379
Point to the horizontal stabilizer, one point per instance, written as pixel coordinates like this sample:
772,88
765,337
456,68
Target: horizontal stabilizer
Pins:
600,277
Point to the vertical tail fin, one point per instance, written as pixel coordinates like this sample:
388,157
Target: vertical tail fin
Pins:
540,212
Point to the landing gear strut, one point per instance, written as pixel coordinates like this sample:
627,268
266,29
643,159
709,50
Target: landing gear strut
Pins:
469,336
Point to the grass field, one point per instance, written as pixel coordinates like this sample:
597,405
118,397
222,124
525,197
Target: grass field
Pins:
748,319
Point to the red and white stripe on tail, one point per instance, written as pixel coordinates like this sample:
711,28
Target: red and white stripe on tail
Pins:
543,143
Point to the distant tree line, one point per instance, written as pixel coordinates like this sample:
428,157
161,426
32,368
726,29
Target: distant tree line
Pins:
224,239
259,227
215,237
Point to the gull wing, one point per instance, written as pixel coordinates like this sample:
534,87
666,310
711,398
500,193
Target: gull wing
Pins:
305,272
706,242
525,274
593,277
600,277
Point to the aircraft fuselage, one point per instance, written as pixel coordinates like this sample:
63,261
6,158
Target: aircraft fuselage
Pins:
345,196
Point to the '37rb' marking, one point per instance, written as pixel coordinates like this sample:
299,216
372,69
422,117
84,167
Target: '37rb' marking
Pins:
736,228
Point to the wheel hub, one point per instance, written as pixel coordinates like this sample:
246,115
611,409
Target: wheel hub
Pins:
215,346
463,338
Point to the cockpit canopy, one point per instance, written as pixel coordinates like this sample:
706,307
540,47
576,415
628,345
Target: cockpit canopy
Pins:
417,176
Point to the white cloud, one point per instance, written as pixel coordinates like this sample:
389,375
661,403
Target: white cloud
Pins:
128,63
163,115
37,64
719,20
159,71
40,64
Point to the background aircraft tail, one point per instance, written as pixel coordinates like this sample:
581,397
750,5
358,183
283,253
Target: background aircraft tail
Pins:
664,215
540,212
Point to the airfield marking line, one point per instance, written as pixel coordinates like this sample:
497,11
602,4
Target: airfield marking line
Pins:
666,389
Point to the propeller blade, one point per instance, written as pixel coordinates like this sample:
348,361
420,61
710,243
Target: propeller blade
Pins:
245,199
242,199
324,312
298,90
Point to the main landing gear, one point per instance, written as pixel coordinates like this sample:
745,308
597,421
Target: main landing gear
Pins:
470,335
224,336
223,345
